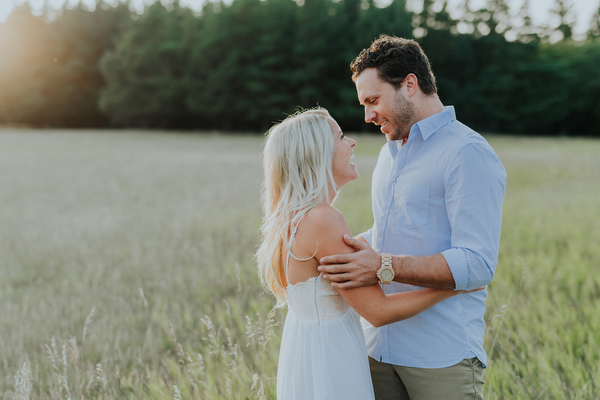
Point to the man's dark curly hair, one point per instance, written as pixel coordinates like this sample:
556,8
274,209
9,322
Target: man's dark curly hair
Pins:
395,58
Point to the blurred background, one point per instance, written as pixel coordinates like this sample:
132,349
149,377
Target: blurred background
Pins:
131,198
510,66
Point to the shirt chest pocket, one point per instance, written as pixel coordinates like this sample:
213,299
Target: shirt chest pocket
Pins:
410,204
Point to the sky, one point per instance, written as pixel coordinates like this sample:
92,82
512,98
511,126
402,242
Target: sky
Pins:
584,9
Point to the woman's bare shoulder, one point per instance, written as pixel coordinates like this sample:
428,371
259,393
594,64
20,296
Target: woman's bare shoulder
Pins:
315,229
327,226
325,218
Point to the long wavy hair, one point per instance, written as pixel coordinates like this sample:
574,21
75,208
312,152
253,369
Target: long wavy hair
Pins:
297,160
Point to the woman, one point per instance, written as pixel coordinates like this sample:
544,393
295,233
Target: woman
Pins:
307,159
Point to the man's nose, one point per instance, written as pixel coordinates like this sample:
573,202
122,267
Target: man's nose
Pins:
369,115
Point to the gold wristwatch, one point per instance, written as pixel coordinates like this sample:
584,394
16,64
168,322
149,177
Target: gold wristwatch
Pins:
386,272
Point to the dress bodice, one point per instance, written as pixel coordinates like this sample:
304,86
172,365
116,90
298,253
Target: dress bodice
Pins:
315,299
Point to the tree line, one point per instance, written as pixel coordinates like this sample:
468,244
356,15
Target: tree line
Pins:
242,65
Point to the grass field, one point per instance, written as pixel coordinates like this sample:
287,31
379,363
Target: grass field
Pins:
127,267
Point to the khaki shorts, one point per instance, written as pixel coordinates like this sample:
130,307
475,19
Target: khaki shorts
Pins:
458,382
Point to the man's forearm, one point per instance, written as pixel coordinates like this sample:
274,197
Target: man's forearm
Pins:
428,271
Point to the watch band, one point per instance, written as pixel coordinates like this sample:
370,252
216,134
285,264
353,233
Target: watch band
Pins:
386,272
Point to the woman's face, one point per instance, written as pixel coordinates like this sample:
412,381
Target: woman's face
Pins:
343,152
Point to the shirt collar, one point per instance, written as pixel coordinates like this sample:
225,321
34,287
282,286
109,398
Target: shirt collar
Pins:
426,127
430,125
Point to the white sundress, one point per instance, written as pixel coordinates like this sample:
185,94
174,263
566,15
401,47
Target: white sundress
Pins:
323,353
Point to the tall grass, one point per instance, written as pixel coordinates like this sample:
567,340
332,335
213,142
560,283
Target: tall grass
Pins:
544,302
128,272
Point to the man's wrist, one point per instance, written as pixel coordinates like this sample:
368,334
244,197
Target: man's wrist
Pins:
397,261
386,273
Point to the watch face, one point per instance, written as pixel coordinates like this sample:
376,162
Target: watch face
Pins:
386,275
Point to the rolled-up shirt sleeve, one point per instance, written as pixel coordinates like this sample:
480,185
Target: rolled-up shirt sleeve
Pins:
368,236
474,194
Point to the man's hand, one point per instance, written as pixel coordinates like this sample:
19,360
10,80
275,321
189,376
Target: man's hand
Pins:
347,271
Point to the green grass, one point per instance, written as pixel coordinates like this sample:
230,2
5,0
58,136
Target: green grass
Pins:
128,272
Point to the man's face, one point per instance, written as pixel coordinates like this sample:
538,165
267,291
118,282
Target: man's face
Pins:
384,105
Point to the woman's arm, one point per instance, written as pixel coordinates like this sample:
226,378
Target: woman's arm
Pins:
329,226
381,309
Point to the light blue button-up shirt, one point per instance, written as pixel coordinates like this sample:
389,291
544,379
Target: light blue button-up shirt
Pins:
441,192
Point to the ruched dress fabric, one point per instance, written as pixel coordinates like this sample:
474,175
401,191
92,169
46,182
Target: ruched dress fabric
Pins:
323,353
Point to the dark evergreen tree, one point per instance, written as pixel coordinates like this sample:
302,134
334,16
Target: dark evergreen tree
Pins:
144,73
243,65
354,33
574,87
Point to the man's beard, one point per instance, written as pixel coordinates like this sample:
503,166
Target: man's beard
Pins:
403,118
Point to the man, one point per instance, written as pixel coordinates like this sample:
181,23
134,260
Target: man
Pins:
437,199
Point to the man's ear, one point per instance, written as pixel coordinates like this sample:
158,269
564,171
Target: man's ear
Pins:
412,84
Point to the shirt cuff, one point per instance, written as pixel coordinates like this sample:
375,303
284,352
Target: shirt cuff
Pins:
457,262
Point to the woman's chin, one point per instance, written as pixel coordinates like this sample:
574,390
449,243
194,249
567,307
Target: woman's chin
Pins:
356,171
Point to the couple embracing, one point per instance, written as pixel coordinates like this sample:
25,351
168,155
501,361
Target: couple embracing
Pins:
417,277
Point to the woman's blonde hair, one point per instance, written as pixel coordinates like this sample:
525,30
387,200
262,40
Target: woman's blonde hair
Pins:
297,162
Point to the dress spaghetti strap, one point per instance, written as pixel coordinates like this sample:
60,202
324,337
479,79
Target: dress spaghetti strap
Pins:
289,246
